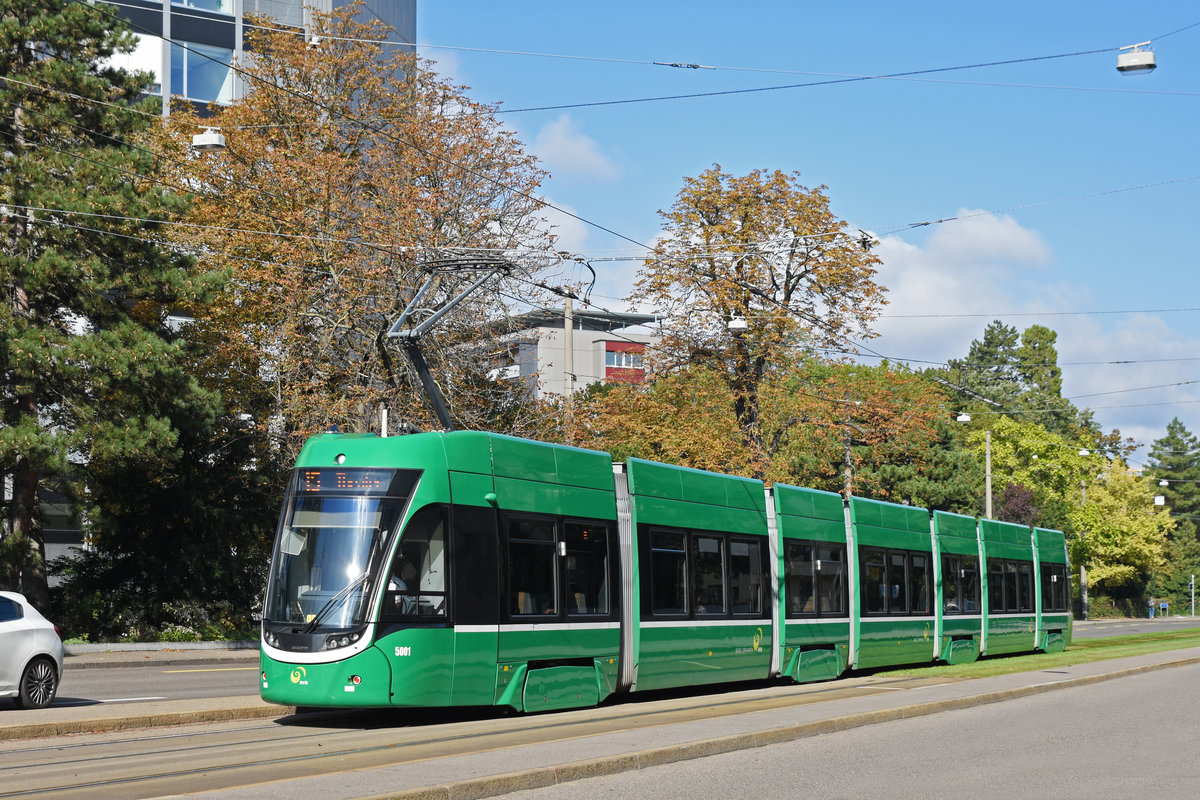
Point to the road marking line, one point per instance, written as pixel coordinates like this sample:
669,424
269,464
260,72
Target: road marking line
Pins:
214,669
130,699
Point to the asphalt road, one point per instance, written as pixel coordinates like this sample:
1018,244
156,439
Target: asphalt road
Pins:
1122,627
124,684
1119,739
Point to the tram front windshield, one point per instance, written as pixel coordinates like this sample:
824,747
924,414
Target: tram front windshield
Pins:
332,534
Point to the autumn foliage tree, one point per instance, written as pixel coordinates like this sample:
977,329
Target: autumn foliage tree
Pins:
829,426
348,168
752,271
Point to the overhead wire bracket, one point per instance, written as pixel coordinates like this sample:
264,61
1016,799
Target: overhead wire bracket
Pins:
410,336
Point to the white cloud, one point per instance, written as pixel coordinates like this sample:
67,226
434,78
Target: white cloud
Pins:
571,234
987,268
568,152
981,265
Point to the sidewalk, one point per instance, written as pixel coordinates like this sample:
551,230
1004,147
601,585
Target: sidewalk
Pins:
88,656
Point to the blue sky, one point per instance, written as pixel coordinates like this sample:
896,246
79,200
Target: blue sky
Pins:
1075,187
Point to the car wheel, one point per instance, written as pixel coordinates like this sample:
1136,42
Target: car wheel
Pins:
39,684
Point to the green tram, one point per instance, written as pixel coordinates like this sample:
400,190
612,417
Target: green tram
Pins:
474,569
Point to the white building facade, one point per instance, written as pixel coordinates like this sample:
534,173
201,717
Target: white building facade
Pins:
191,46
556,359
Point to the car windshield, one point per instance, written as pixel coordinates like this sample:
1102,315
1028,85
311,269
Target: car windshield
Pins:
332,531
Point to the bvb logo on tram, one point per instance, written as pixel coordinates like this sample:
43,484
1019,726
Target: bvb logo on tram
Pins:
298,676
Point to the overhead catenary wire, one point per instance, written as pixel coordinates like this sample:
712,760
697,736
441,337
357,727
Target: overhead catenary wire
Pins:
883,231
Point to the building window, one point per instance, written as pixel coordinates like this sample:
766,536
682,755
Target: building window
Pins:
202,72
623,362
220,6
623,359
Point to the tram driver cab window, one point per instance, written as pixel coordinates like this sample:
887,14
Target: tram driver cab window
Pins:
416,581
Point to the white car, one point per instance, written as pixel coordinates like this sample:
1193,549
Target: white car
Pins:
31,653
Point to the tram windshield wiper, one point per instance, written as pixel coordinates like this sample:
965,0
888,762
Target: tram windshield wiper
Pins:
336,601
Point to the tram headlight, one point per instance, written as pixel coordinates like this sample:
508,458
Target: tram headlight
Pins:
336,640
271,639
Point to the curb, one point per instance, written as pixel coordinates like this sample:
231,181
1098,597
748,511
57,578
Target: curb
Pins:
151,647
541,777
39,730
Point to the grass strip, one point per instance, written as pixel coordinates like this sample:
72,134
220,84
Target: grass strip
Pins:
1082,651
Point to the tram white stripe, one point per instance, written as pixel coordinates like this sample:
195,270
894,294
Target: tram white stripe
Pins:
520,627
707,623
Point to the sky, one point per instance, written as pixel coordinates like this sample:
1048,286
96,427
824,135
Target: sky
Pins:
1060,191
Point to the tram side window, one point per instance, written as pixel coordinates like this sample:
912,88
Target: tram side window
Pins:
1054,587
801,589
531,567
960,584
417,580
745,576
970,585
952,580
668,567
995,573
1025,585
1011,597
708,565
897,583
831,580
875,583
586,568
816,579
919,575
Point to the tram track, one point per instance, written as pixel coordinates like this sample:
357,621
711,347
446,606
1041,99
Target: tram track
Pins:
227,755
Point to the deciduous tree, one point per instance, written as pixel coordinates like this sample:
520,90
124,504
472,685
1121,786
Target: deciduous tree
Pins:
348,168
1124,531
751,272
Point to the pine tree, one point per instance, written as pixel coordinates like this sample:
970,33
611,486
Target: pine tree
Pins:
1175,458
990,368
89,376
1041,382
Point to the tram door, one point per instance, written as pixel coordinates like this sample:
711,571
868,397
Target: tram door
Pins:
474,575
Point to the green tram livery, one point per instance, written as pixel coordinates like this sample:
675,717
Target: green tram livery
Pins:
474,569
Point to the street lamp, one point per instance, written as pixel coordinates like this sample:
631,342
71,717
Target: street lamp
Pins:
210,140
1133,60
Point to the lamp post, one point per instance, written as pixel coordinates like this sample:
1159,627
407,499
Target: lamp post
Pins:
1083,598
1083,587
964,418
